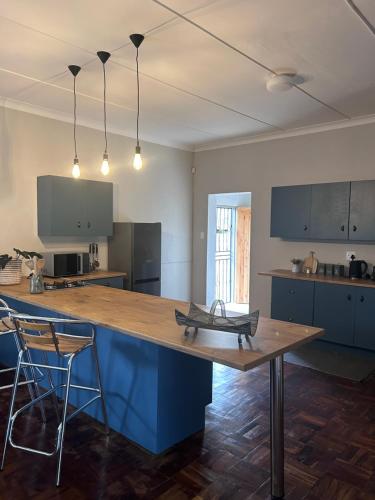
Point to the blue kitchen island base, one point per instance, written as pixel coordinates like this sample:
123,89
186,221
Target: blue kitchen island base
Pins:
155,396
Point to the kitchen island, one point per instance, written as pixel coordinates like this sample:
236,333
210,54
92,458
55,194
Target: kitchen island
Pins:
157,382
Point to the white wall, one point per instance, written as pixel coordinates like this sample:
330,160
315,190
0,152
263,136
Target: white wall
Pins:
162,192
339,155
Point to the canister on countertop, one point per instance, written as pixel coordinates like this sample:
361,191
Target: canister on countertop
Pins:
321,268
329,269
339,270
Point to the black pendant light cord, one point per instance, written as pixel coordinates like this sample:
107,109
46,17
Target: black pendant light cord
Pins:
137,100
75,118
137,39
105,107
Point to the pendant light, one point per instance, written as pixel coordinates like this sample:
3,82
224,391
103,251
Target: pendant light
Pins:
76,172
104,56
137,39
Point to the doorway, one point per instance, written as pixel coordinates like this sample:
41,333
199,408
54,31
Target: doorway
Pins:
228,250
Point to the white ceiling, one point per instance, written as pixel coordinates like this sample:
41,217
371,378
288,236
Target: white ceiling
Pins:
201,82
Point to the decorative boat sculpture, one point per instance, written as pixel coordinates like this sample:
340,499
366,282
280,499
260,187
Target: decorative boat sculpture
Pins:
245,324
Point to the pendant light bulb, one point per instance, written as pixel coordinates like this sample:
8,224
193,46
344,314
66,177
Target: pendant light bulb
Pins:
76,171
137,40
137,162
105,165
104,56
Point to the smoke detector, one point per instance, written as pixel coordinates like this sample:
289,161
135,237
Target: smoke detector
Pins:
281,82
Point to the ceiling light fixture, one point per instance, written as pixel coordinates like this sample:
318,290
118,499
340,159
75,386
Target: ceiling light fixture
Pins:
137,39
76,172
104,56
281,82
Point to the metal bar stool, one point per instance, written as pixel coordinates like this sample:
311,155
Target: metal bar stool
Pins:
39,334
32,377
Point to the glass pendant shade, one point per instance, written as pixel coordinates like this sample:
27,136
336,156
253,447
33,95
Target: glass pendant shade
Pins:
76,171
105,165
137,161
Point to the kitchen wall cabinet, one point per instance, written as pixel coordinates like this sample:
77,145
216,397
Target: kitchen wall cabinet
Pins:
74,207
362,210
344,311
292,301
98,208
290,212
330,211
337,211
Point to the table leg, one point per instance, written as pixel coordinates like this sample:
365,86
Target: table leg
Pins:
277,427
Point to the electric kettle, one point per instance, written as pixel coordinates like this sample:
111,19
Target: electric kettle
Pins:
357,268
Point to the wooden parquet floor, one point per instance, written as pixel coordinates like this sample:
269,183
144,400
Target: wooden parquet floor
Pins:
330,448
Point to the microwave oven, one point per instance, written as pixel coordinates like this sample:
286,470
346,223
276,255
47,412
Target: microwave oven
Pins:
58,265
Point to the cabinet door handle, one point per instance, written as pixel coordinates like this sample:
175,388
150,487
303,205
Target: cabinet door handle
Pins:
292,292
89,225
349,297
362,299
342,228
305,228
78,223
355,229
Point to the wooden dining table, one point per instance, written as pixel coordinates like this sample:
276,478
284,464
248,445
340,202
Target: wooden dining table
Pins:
120,314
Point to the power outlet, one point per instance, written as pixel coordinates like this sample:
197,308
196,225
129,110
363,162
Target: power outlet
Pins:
349,254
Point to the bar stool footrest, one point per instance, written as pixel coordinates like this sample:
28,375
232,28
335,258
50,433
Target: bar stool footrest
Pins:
59,429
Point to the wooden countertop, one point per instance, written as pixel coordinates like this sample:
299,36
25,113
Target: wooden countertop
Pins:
153,319
321,278
89,276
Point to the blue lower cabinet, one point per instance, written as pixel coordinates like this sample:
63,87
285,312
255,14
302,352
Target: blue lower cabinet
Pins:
364,327
292,300
345,312
155,396
334,309
117,282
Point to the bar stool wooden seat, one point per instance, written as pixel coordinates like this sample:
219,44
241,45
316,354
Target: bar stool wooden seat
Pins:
6,324
39,334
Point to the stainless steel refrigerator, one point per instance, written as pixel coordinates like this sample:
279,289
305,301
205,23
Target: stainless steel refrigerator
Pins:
135,248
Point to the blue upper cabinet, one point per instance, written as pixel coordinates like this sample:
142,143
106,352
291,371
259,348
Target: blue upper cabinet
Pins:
336,211
98,208
330,211
290,212
74,207
362,210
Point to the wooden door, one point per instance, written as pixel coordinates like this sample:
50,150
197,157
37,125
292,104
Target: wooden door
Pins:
243,255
